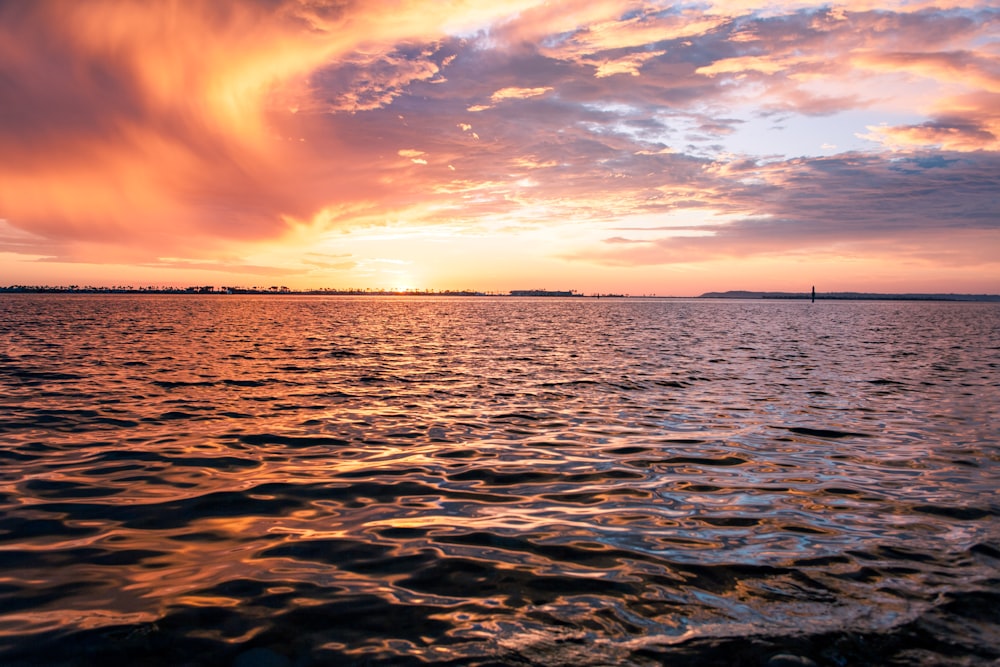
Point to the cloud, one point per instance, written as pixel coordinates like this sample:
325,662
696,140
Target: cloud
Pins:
188,126
630,64
816,62
363,82
622,239
975,70
955,134
215,266
141,123
510,93
624,28
925,205
326,261
515,93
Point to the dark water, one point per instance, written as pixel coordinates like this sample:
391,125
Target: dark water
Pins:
305,481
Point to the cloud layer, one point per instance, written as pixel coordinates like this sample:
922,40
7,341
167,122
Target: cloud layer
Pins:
236,136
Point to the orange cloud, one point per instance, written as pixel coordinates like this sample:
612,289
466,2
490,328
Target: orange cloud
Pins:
628,65
954,135
646,26
141,123
170,127
962,68
744,64
515,93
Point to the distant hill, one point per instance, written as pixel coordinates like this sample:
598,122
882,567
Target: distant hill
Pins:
849,296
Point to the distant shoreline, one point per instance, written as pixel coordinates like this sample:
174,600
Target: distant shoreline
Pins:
732,294
849,296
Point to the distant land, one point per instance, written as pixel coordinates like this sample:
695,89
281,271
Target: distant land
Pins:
281,289
849,296
358,291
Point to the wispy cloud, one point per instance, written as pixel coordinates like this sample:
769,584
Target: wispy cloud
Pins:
929,205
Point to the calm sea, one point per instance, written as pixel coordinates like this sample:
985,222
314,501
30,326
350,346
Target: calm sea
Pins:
266,481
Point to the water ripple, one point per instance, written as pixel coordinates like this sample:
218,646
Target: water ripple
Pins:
279,480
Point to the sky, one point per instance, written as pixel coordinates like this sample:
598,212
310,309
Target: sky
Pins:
619,146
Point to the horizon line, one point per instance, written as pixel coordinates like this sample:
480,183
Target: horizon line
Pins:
516,293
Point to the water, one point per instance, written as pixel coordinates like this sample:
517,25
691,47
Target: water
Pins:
492,481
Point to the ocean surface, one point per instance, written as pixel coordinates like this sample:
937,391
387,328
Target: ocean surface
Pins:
274,481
